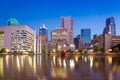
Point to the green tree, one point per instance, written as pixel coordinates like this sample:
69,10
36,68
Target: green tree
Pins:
116,49
80,50
95,49
102,50
3,50
69,51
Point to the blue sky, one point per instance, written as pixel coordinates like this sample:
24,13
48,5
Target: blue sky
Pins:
85,13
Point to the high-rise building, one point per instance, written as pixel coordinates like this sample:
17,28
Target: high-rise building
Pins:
67,23
42,39
110,27
86,35
17,38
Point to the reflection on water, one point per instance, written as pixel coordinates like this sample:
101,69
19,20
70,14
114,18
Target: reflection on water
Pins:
39,67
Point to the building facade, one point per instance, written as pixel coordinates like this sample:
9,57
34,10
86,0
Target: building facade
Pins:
102,41
115,40
17,38
59,37
86,35
110,27
67,23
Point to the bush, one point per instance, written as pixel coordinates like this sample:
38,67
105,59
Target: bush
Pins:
80,50
102,49
3,50
116,50
96,49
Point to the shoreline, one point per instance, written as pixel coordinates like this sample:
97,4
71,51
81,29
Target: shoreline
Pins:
74,54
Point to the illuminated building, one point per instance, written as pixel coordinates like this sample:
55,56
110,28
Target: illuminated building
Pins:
17,38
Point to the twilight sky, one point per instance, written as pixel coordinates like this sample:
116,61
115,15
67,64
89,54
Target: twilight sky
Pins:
85,13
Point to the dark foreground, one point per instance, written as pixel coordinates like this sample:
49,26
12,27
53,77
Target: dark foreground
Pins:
38,67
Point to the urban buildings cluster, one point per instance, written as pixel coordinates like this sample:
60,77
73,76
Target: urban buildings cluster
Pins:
16,37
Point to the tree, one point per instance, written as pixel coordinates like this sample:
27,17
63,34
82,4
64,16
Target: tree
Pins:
116,49
102,50
80,50
69,51
95,49
3,50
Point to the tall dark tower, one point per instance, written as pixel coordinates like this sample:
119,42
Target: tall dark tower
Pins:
110,27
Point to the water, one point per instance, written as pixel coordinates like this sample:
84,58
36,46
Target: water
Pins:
39,67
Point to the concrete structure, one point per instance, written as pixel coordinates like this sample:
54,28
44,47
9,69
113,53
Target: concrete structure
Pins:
59,37
67,23
115,40
110,27
86,35
42,40
103,41
17,38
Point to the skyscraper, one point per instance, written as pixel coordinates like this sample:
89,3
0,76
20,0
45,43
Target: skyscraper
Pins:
67,23
110,27
42,39
86,35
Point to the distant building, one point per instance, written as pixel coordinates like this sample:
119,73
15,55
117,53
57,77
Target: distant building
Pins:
86,35
67,23
12,22
110,27
17,38
78,42
42,40
103,41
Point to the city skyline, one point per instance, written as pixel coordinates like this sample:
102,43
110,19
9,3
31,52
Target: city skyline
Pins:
85,14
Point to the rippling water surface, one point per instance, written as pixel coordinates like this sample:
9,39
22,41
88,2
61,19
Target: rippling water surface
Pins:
39,67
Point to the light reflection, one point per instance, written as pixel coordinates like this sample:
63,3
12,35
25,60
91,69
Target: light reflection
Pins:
97,64
58,71
72,64
109,59
1,67
59,61
91,61
76,59
30,61
110,75
64,63
18,63
85,58
54,60
34,64
7,61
